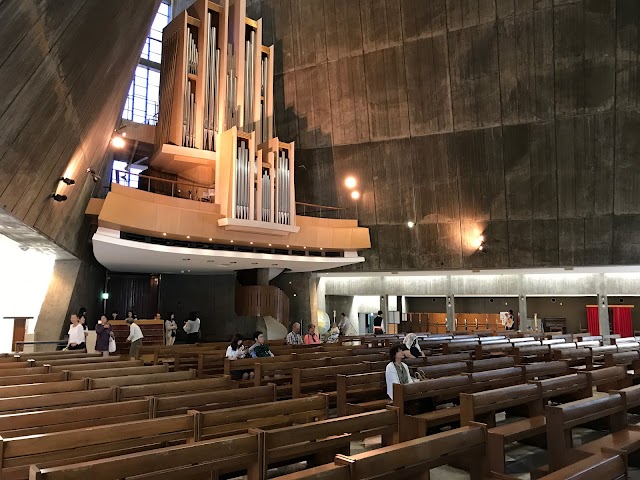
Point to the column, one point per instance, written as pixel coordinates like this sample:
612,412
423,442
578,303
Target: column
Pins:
384,306
603,306
522,310
451,313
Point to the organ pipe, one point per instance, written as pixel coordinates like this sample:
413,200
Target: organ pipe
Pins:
211,93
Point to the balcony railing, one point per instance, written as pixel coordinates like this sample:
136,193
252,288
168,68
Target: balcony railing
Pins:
202,193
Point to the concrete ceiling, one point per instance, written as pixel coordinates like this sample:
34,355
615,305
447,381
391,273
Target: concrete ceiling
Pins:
29,239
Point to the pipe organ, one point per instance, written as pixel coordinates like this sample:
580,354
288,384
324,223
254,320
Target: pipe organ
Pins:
216,112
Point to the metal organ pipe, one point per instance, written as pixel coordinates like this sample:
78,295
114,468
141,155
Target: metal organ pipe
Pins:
211,95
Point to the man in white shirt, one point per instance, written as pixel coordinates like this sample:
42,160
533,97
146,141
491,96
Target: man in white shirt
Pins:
76,334
192,327
135,337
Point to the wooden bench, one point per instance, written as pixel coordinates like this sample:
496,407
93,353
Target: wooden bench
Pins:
19,371
85,444
531,354
565,388
56,400
452,358
77,361
57,356
95,366
501,377
350,360
459,347
561,419
6,366
117,372
204,401
629,359
11,391
207,459
38,378
129,392
307,381
543,370
443,370
280,373
408,460
320,441
490,364
361,393
428,394
608,378
235,420
48,421
147,379
484,406
595,467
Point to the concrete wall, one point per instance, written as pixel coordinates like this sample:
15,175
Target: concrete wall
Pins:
515,120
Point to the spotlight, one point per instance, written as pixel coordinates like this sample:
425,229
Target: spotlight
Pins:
410,224
117,142
94,176
350,182
355,195
68,181
58,198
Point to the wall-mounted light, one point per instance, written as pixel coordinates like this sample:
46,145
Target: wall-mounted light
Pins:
355,195
58,198
350,182
67,181
118,142
411,224
105,296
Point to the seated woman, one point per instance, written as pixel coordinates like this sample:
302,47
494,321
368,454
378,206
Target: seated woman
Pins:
237,350
410,346
396,371
333,335
311,338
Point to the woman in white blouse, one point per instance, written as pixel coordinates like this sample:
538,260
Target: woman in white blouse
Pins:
396,371
235,351
76,334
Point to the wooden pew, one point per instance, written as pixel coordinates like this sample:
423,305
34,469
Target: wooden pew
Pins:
38,378
608,378
11,391
350,360
501,377
56,400
147,379
86,444
442,370
207,459
307,381
490,364
130,392
95,366
459,347
488,350
321,441
483,407
543,370
565,388
531,354
432,392
205,401
561,419
361,393
117,372
408,460
77,361
595,467
280,373
7,366
48,421
20,371
455,357
80,356
236,420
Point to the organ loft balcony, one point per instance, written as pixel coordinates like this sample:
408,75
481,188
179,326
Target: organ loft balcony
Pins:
219,190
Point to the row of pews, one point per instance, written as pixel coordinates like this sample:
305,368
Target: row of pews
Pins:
84,416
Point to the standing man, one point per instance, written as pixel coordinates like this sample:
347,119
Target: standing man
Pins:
192,327
378,324
135,337
294,337
343,324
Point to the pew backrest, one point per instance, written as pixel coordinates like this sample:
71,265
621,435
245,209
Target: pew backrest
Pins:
129,392
490,364
146,379
474,404
443,370
95,366
541,370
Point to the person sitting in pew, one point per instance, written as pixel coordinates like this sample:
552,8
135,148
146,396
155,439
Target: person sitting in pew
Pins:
410,346
294,337
237,350
311,338
259,348
396,371
333,335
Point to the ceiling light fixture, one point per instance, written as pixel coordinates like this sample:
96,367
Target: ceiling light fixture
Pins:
231,241
350,182
188,236
118,142
410,224
211,239
269,244
164,234
287,246
250,243
355,195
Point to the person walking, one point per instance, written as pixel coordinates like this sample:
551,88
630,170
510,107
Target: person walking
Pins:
135,337
170,328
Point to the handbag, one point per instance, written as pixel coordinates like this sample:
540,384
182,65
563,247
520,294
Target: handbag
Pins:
112,345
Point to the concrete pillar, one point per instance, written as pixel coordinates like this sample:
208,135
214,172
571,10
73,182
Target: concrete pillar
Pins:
451,313
384,306
603,305
522,310
301,288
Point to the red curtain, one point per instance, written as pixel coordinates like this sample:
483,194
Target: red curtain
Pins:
622,321
592,321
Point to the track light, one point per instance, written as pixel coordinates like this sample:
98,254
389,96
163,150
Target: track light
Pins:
68,181
58,198
94,176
